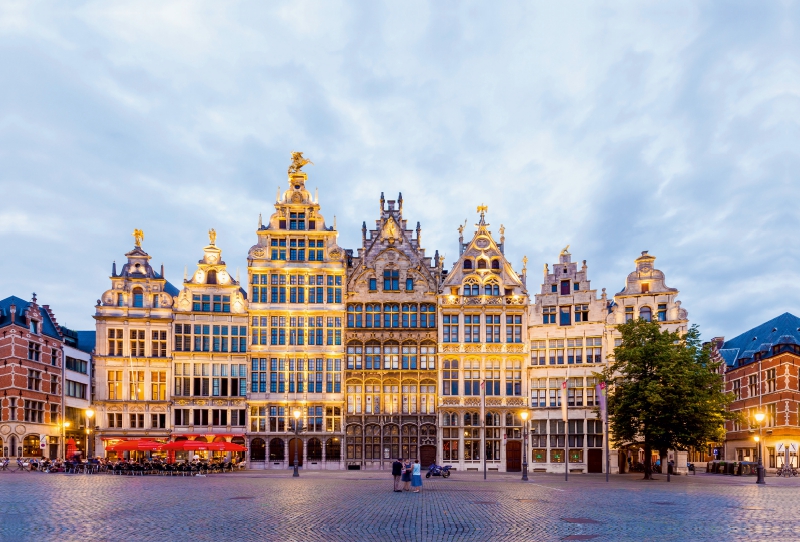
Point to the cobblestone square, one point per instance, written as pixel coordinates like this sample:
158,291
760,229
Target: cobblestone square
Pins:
357,505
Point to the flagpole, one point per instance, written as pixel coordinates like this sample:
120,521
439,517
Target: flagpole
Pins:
483,425
565,417
604,413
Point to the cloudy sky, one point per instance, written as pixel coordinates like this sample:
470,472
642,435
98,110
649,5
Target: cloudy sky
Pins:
670,127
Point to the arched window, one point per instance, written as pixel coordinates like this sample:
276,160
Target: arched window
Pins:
372,442
481,264
355,355
495,264
429,319
372,355
354,315
258,450
391,315
354,442
30,446
472,419
391,355
276,449
373,315
391,440
333,449
645,314
138,297
410,315
211,278
314,450
467,264
409,442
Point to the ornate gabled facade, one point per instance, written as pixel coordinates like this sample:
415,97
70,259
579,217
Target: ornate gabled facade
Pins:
390,375
210,353
31,380
296,273
568,340
133,362
482,327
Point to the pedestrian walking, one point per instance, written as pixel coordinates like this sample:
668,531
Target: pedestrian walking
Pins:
406,475
416,476
397,471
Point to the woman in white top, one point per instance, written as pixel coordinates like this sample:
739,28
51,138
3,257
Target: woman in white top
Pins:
416,477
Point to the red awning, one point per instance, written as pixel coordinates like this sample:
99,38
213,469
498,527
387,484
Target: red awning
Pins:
208,435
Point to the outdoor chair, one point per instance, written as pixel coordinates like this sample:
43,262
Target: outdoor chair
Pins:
4,465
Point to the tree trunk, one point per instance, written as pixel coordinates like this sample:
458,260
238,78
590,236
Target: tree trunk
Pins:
648,452
664,461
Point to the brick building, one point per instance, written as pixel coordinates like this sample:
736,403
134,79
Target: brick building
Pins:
762,367
31,379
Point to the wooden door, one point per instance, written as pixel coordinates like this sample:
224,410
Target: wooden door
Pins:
427,455
295,444
513,456
595,460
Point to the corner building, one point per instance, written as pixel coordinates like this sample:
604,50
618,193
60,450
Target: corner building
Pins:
210,355
483,321
133,360
390,374
296,273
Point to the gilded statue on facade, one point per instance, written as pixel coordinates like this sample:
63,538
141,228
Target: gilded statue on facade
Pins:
298,162
566,250
138,237
212,236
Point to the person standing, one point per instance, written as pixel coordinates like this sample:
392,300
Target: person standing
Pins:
406,476
416,477
397,471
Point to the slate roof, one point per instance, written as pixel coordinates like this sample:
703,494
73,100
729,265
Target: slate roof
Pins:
784,329
48,326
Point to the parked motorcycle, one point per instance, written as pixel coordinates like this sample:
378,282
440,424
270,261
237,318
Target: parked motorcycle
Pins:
436,470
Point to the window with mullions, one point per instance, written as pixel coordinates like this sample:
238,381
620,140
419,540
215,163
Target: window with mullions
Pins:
315,331
409,360
183,337
556,351
539,392
297,331
450,328
575,392
297,221
202,338
427,317
513,378
391,280
427,358
594,433
314,419
450,377
355,356
409,284
581,313
554,391
548,315
450,436
472,289
373,315
662,312
333,377
594,350
565,316
391,315
315,289
334,294
222,303
472,378
158,344
410,315
538,352
355,315
574,351
472,328
513,328
278,247
575,434
297,381
391,357
315,375
491,289
315,252
628,314
277,419
297,250
201,303
277,375
492,328
492,374
258,375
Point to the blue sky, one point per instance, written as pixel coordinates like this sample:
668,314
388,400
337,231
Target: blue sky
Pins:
612,127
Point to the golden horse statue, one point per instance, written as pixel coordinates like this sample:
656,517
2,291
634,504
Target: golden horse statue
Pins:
298,162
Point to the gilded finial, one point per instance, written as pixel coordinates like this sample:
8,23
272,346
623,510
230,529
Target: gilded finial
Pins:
546,270
524,263
138,237
482,209
212,236
298,162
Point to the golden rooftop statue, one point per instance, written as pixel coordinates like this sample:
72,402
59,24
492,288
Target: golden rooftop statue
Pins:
298,162
138,237
212,236
483,208
566,250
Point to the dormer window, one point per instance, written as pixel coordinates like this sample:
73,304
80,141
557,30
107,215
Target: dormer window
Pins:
467,264
645,287
211,277
155,301
391,280
33,328
564,287
138,297
481,264
120,300
495,264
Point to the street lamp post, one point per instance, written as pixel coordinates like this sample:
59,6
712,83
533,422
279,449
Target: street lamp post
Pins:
296,436
525,446
760,468
64,426
89,416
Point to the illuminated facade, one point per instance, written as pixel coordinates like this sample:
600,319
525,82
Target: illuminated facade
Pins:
391,362
568,340
210,360
133,361
482,338
297,287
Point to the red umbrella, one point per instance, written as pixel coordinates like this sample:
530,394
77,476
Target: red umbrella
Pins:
191,445
136,445
232,447
72,448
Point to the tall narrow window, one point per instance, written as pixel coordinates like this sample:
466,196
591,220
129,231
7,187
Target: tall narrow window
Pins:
138,297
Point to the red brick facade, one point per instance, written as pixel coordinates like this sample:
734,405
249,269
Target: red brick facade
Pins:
31,379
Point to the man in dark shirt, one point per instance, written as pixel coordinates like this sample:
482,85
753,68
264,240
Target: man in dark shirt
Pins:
397,470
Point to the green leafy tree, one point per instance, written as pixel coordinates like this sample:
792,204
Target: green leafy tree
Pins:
666,393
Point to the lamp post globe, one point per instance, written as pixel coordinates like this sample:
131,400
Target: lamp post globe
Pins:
759,416
296,414
524,416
